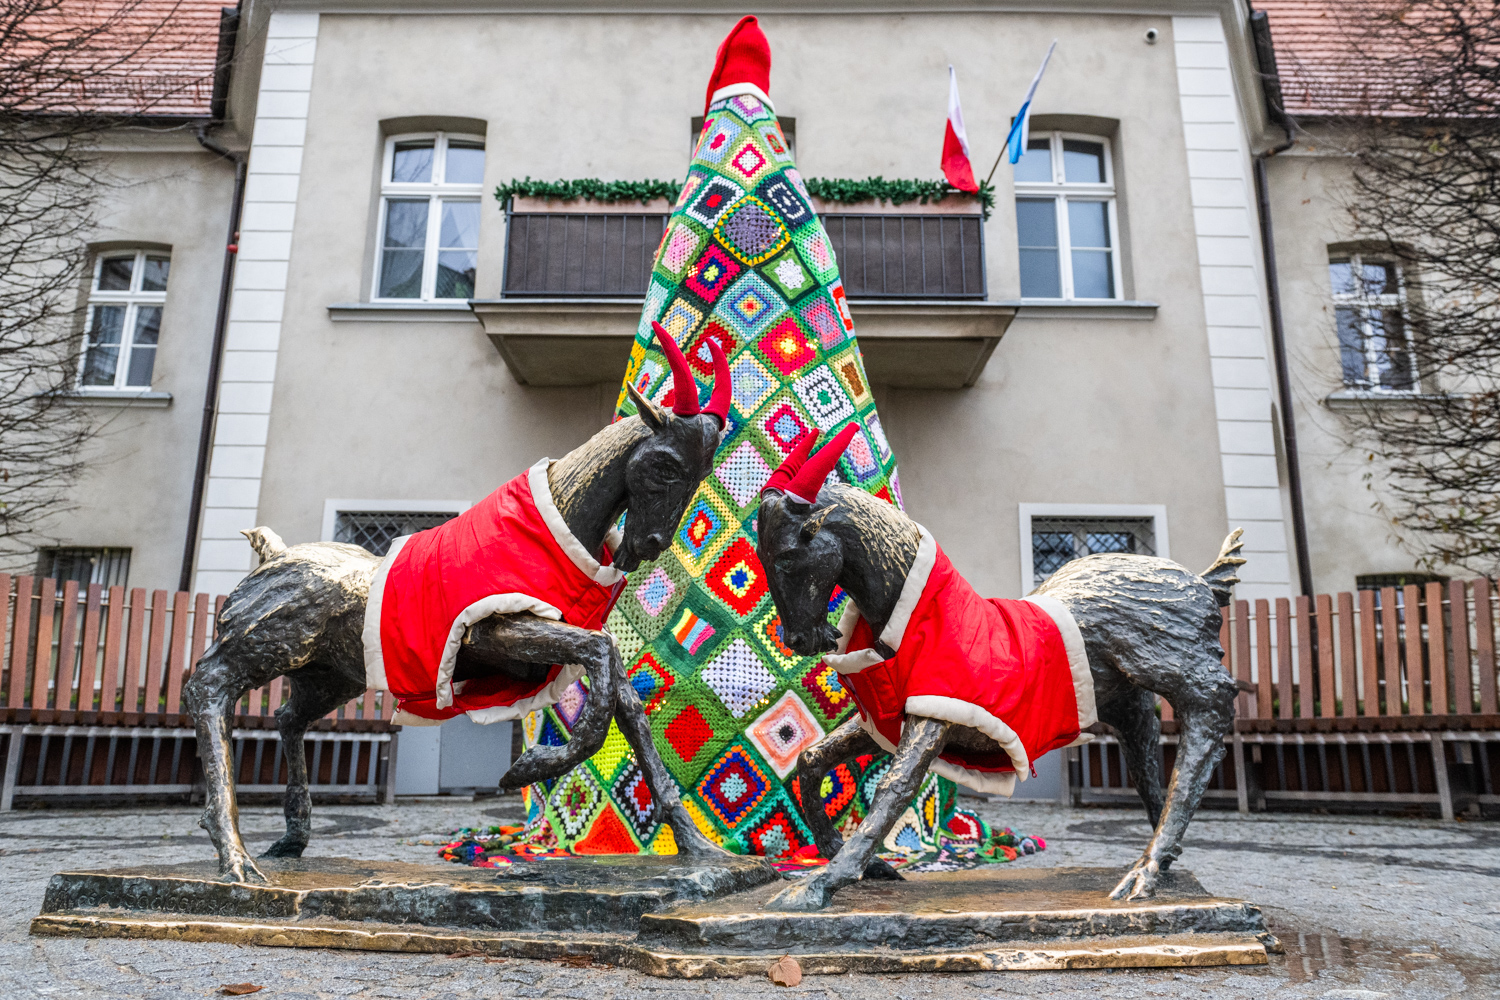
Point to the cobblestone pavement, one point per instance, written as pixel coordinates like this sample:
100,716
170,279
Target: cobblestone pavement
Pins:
1367,908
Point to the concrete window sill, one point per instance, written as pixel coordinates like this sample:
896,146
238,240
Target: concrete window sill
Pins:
926,344
1082,309
1355,399
140,400
400,312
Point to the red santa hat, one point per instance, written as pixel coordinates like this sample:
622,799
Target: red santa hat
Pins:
743,65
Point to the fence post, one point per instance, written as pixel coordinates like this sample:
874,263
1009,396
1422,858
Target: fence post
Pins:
1463,677
1437,655
1484,645
1347,657
1283,658
1241,785
1326,698
1263,697
1440,776
1411,619
1390,641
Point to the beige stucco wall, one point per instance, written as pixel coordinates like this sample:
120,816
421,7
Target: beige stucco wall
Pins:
1347,532
138,469
1068,411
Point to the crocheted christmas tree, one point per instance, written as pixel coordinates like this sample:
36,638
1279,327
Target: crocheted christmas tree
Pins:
745,262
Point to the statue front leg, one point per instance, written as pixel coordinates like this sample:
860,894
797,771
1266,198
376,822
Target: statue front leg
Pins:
813,764
921,742
631,716
211,694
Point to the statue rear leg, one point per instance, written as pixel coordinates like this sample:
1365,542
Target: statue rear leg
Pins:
316,691
211,694
1133,715
813,764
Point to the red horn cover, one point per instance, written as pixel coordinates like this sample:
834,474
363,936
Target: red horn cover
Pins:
718,402
788,468
684,396
808,480
744,57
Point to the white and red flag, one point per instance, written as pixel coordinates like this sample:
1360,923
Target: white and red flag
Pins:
957,167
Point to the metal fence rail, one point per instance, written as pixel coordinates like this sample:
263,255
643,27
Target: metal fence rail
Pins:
91,700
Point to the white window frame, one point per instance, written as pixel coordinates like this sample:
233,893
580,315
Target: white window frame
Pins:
1157,512
436,192
1061,192
1366,304
333,508
132,298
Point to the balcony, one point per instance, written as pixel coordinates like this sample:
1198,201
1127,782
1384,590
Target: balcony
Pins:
575,278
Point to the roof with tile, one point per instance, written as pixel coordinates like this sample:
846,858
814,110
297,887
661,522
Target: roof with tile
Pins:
138,58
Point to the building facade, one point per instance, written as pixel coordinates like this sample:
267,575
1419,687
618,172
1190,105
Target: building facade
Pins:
1088,367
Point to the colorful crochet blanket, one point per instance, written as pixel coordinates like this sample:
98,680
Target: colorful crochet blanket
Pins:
744,261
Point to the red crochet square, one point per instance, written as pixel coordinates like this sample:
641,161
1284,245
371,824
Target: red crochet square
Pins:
688,732
737,578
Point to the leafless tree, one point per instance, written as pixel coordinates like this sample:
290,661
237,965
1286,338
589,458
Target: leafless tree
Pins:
69,71
1421,100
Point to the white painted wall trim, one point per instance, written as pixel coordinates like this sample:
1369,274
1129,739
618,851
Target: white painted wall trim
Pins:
332,508
1157,512
1234,302
232,499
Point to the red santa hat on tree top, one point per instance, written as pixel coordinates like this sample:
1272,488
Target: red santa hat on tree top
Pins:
802,475
743,65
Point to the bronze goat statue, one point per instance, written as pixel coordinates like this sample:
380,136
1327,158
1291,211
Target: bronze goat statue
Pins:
334,619
975,689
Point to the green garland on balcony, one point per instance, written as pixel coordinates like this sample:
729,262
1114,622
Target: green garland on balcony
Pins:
841,191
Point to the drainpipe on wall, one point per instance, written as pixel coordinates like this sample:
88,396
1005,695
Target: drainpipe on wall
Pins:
228,27
1265,55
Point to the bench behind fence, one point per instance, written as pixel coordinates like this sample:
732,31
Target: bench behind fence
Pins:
91,691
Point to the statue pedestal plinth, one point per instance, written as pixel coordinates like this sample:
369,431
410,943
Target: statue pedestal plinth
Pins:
665,917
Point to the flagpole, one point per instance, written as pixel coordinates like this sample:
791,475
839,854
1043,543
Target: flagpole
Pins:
1025,106
998,158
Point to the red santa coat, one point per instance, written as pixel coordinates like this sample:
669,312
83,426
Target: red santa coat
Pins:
1014,670
509,553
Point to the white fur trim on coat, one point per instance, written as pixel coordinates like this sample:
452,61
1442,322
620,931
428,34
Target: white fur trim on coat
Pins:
374,661
541,495
1078,660
736,89
911,590
988,782
494,604
845,662
963,713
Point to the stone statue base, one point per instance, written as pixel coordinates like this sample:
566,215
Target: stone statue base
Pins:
669,918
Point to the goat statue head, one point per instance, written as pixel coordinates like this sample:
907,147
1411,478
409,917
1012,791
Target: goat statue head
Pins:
803,562
664,470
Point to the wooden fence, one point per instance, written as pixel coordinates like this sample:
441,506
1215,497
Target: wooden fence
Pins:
1384,697
91,700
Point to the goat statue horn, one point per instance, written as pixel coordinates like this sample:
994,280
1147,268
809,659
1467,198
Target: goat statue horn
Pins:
808,480
718,402
684,386
788,468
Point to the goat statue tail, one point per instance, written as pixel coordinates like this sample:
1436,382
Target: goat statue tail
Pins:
266,543
1221,576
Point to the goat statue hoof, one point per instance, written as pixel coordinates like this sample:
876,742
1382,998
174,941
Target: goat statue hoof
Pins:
805,896
286,847
1139,882
242,869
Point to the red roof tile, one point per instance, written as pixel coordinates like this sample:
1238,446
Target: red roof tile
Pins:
128,57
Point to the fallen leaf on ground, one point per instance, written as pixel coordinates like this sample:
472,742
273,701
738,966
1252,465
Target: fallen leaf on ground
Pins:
785,971
239,989
575,961
494,961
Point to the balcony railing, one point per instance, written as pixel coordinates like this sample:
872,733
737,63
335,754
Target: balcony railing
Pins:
585,255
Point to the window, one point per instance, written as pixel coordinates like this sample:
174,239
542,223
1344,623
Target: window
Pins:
429,217
1055,534
124,320
106,567
1375,344
1065,218
375,530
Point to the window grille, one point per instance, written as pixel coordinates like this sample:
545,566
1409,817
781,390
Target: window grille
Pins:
106,567
1065,219
588,254
376,529
1059,540
580,254
1376,352
429,217
909,256
126,300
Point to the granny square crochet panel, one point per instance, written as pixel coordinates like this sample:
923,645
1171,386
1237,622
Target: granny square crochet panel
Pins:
744,261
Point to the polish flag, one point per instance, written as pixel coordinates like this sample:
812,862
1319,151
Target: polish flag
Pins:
956,165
